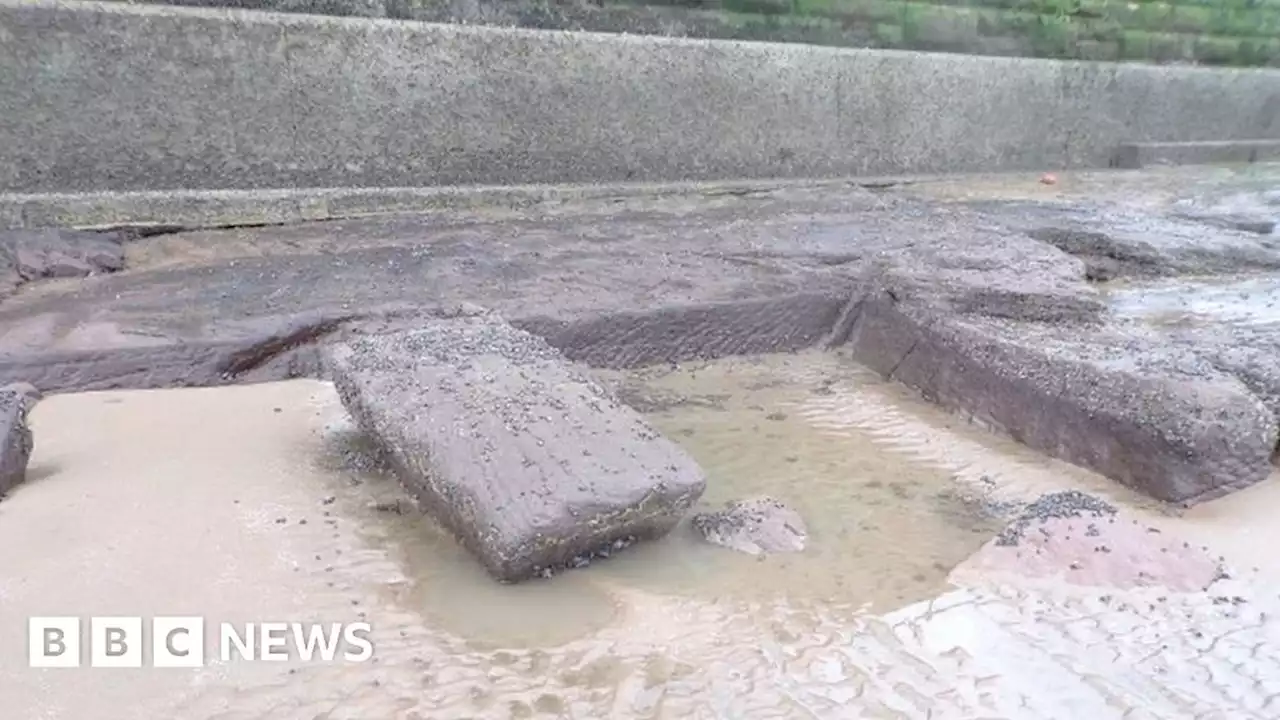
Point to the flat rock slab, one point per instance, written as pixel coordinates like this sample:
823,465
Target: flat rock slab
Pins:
1073,538
523,456
755,526
16,442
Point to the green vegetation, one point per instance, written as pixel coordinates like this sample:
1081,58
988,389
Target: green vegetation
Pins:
1209,32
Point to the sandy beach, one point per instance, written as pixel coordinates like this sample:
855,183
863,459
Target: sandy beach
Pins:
254,503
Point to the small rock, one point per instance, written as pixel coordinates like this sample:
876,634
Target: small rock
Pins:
16,440
387,506
755,526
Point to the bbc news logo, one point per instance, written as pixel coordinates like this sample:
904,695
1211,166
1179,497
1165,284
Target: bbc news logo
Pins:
119,642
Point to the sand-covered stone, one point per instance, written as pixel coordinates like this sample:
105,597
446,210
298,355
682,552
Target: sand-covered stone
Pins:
528,460
16,441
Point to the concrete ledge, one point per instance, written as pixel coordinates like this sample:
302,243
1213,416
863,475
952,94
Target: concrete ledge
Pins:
1134,156
226,208
102,97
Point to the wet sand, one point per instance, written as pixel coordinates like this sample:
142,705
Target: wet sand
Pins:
256,503
1247,301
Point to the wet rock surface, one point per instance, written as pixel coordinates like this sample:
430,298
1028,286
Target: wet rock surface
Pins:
525,458
16,441
1166,422
995,308
754,526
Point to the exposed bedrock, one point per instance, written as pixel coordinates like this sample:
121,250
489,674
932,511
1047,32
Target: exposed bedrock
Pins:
278,347
523,456
1163,422
984,307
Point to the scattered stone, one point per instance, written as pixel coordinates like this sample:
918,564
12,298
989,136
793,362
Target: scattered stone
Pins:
27,255
487,425
16,440
755,526
1067,504
388,506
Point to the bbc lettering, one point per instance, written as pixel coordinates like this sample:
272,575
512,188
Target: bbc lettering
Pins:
178,642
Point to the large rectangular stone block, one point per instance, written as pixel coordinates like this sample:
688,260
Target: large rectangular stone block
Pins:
523,456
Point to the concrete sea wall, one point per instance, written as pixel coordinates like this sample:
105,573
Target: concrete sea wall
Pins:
107,97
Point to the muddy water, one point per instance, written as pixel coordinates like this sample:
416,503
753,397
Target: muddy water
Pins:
256,503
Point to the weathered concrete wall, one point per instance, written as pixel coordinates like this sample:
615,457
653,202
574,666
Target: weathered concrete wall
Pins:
110,97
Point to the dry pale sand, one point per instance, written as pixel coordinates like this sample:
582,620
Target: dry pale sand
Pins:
241,504
164,503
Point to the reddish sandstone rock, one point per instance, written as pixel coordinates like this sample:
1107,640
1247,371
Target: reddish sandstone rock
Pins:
1095,546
